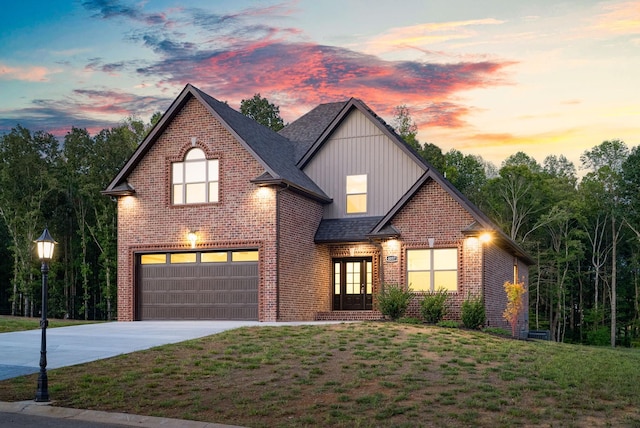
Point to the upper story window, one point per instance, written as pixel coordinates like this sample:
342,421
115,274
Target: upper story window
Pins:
195,180
356,194
432,269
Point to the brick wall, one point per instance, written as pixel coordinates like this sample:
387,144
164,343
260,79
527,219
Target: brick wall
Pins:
304,267
499,268
244,217
433,213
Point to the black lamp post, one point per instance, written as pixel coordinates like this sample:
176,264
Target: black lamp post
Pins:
45,244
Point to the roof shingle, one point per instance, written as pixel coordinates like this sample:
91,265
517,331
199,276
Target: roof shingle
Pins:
307,129
353,229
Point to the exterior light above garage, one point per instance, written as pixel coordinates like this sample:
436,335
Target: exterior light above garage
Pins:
192,237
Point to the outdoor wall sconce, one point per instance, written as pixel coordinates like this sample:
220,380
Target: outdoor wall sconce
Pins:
45,245
485,237
192,237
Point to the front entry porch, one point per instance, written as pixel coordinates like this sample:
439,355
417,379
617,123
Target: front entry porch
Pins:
352,294
353,284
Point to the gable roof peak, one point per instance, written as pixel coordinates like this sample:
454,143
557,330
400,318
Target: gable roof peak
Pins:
273,151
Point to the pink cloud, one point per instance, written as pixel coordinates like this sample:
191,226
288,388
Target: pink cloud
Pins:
309,74
29,74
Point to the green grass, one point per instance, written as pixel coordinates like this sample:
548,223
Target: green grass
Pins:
358,375
9,323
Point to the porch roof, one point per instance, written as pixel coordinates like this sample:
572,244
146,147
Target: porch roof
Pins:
353,229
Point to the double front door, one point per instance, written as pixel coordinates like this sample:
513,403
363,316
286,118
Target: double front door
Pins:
352,284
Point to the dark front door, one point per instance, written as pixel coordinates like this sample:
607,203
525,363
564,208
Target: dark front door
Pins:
352,284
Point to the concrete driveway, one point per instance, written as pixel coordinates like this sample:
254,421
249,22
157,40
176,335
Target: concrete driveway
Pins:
68,346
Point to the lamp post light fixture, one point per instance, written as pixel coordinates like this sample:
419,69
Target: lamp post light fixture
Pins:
45,244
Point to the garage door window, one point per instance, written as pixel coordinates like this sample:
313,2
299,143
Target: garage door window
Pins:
206,257
183,258
217,257
153,259
244,256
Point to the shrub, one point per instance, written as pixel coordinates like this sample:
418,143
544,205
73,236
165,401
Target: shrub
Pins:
599,336
473,312
434,306
393,300
515,303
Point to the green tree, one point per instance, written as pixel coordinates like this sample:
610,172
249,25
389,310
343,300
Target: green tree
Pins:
26,162
78,151
111,150
559,167
406,127
630,186
466,173
433,154
515,197
262,111
605,162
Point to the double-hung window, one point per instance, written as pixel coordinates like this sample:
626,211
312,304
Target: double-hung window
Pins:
432,269
195,180
356,194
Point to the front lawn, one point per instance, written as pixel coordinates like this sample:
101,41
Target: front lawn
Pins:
357,375
9,323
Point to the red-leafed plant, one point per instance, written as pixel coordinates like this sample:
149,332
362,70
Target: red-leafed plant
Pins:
515,303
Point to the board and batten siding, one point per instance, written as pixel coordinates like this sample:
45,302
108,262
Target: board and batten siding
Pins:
358,146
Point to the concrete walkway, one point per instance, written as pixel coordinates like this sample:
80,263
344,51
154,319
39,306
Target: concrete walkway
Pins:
68,346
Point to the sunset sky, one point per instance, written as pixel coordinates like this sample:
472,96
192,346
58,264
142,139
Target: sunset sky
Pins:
484,77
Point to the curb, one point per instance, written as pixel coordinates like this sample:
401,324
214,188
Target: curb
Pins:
49,410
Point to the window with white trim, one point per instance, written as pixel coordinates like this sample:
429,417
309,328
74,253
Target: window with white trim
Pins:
195,180
356,194
432,269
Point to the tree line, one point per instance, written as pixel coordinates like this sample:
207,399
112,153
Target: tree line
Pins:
584,233
57,184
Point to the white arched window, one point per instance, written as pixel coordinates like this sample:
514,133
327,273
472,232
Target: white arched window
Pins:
195,180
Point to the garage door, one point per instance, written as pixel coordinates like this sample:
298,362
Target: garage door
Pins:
216,285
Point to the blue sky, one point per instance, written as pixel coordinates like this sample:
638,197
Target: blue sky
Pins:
489,78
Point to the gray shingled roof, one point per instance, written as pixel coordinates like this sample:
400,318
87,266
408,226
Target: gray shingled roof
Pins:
274,149
355,229
307,129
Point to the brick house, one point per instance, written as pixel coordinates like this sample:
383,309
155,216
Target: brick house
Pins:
222,218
